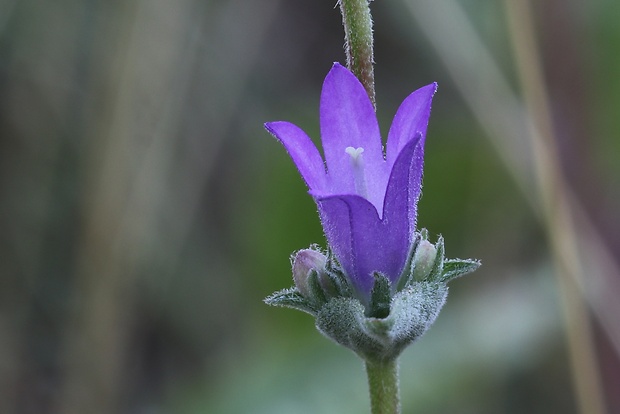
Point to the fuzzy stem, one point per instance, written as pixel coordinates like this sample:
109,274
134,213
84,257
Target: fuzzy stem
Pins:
358,42
383,384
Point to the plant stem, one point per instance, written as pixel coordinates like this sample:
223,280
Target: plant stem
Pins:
358,42
383,385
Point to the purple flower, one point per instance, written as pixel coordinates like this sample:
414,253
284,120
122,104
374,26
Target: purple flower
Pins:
367,201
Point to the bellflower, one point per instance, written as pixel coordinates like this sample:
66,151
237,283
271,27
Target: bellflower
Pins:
367,199
381,284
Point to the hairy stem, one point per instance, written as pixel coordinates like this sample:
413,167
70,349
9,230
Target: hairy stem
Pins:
383,384
359,43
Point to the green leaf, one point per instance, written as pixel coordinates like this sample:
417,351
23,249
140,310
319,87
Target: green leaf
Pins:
290,298
453,268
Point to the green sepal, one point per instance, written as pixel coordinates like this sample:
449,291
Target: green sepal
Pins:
380,297
335,273
342,320
453,268
406,276
437,270
380,328
291,298
317,295
341,283
413,310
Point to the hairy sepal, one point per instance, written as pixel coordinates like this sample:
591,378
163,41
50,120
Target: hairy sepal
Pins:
396,315
412,312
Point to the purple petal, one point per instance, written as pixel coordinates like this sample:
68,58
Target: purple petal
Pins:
348,120
412,117
303,152
362,242
405,186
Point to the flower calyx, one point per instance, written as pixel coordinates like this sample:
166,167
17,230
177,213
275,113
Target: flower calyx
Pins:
396,313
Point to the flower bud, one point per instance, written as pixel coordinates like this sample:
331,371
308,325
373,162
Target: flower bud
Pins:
304,263
424,260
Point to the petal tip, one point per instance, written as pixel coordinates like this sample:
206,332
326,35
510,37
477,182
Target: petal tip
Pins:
341,72
431,89
272,127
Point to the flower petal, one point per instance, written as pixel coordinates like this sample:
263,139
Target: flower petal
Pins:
405,186
365,243
348,120
412,117
362,242
303,152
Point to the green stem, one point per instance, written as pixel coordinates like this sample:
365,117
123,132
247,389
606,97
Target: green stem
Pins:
383,384
358,37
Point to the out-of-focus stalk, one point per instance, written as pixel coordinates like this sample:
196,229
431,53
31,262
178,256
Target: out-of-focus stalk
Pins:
556,209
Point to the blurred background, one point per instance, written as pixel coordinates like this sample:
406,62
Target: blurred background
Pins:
145,213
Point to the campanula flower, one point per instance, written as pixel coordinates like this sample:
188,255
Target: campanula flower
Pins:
367,199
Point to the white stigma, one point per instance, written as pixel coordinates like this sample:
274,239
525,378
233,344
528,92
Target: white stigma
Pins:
357,163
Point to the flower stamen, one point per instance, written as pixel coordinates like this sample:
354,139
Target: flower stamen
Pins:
357,162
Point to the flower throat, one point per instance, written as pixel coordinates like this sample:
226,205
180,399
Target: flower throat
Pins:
359,176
